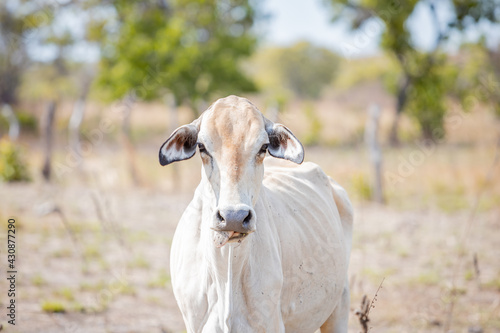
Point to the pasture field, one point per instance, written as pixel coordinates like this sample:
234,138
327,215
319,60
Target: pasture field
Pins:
93,248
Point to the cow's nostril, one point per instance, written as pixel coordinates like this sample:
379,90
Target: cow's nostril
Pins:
248,218
219,217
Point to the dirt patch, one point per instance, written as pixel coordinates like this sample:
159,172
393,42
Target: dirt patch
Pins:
103,256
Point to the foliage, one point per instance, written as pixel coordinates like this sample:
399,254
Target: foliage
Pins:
28,27
357,71
301,69
191,49
18,21
426,97
12,165
45,82
360,187
314,133
27,122
422,85
478,80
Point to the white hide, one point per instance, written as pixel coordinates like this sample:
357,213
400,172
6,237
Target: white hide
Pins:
289,275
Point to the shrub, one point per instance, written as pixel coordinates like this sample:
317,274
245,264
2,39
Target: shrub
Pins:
315,126
27,122
12,166
361,187
53,307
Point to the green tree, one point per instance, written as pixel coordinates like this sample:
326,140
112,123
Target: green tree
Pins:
189,48
425,78
19,23
478,81
302,70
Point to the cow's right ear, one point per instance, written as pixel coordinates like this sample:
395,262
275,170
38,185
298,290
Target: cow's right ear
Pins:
283,144
181,145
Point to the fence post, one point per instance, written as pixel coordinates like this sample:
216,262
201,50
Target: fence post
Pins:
371,139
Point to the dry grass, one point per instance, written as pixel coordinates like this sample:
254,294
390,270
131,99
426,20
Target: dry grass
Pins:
119,280
363,313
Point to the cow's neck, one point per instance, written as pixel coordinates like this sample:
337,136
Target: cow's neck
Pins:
226,268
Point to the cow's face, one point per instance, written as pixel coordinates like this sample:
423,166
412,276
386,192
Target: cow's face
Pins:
233,138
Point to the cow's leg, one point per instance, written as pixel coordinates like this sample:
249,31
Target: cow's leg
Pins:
337,322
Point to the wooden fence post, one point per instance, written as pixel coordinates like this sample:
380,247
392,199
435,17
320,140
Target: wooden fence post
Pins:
48,135
371,139
13,122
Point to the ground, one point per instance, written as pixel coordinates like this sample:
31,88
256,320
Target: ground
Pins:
93,248
107,269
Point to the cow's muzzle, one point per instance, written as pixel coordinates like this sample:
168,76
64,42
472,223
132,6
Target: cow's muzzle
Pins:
233,224
237,220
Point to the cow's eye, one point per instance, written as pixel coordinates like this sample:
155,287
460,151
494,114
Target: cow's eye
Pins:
202,148
263,149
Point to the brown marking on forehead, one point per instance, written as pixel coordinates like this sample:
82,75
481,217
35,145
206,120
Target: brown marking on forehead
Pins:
234,126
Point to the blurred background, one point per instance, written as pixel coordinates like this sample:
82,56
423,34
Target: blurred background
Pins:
398,101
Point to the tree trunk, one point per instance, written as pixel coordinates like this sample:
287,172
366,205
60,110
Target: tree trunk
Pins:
427,132
13,122
371,139
393,134
48,138
127,139
75,122
400,104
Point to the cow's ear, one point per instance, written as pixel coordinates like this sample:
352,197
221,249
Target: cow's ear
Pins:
283,144
181,145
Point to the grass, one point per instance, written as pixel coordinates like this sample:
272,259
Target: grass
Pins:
138,236
493,284
93,287
429,278
139,261
66,293
53,307
38,280
62,253
92,251
161,280
413,240
360,187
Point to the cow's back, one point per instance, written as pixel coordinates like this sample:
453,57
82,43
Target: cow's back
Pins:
312,216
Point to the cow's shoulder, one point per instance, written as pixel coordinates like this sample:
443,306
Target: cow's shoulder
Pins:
280,172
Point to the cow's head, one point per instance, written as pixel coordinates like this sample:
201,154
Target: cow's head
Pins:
233,138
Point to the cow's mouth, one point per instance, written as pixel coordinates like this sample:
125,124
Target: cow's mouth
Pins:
221,238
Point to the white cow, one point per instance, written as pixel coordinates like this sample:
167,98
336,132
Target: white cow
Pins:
264,245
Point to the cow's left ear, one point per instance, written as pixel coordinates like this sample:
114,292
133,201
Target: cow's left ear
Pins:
181,145
283,144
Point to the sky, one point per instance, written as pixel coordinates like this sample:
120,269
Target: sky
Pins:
294,20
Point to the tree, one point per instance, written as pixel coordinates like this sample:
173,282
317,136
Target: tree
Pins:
479,78
189,48
19,24
423,82
301,69
22,23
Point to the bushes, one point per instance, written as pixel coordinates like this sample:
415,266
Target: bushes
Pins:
27,122
12,166
313,136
